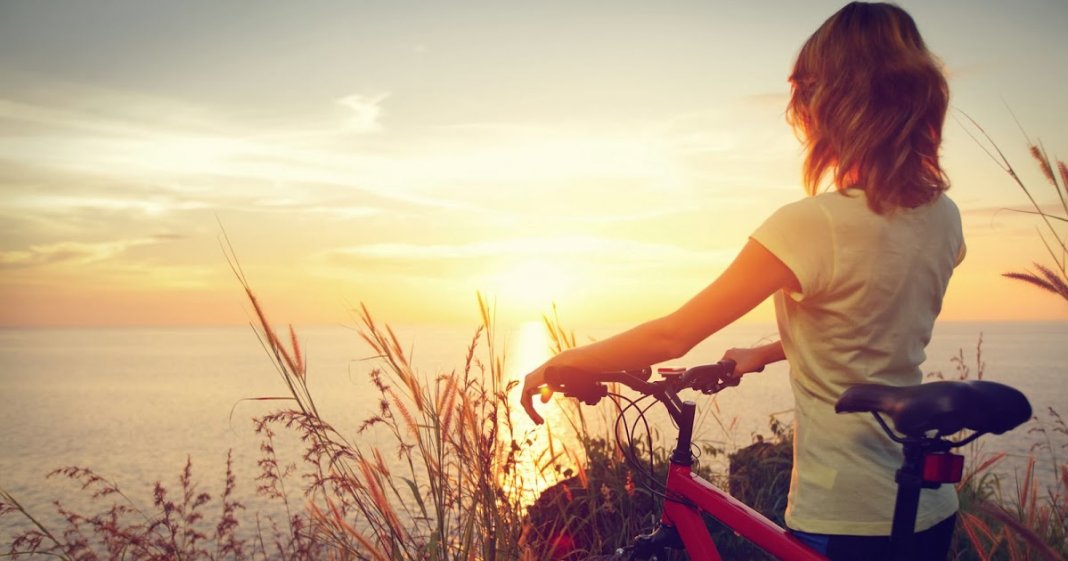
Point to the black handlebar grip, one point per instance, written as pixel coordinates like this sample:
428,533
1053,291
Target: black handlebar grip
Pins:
557,375
644,374
575,383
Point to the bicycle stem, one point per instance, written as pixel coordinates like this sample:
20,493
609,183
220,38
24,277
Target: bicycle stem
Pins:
683,413
682,456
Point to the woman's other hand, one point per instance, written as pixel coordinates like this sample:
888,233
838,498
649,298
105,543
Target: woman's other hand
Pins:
748,360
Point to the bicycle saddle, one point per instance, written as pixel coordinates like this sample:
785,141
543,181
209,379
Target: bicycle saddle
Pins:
946,407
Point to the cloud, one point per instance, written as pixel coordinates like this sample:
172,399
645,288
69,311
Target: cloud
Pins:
170,237
767,100
103,265
748,131
1017,211
74,253
974,70
150,205
139,276
93,134
60,106
93,202
100,166
462,167
328,208
366,110
561,248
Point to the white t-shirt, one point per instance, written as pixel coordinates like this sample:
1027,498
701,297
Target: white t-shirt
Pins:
871,287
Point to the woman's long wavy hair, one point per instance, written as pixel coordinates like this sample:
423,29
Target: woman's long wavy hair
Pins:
869,100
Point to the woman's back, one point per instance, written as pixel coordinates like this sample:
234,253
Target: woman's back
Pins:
871,287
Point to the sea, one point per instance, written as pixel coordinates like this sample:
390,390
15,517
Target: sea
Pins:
135,405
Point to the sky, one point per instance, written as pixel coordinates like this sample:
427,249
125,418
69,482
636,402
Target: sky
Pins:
610,158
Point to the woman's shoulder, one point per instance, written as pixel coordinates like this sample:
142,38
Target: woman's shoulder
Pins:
852,198
851,207
806,210
940,210
826,206
944,202
855,201
949,213
788,220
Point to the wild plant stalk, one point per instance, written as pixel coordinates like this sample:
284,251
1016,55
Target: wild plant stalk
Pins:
174,528
38,539
1051,278
447,494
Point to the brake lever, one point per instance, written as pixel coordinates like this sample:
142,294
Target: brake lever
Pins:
719,384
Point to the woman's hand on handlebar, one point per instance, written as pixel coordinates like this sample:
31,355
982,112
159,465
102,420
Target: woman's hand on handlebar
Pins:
534,383
745,360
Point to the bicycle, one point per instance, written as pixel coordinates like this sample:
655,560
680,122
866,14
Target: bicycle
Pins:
943,408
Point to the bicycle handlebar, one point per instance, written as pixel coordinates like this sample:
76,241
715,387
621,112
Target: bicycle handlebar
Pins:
589,387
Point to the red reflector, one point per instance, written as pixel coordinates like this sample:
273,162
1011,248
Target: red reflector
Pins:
943,468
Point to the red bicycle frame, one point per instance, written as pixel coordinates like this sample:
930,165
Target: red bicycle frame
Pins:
943,407
748,523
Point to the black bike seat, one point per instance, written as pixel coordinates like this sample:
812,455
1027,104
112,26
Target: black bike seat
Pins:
946,407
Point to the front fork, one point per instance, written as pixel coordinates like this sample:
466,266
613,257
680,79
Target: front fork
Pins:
666,537
678,519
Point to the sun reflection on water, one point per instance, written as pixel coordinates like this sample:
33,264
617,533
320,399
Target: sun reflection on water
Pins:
551,448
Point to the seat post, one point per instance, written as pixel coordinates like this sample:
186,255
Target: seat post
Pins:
909,484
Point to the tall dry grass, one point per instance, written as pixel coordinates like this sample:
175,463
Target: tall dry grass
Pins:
452,488
1054,217
174,527
449,479
1032,521
1017,518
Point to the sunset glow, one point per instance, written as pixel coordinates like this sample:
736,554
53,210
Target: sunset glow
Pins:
611,162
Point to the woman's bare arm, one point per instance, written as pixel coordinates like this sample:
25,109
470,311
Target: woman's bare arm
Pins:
753,276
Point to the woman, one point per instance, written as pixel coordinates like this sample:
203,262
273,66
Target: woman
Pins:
858,274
